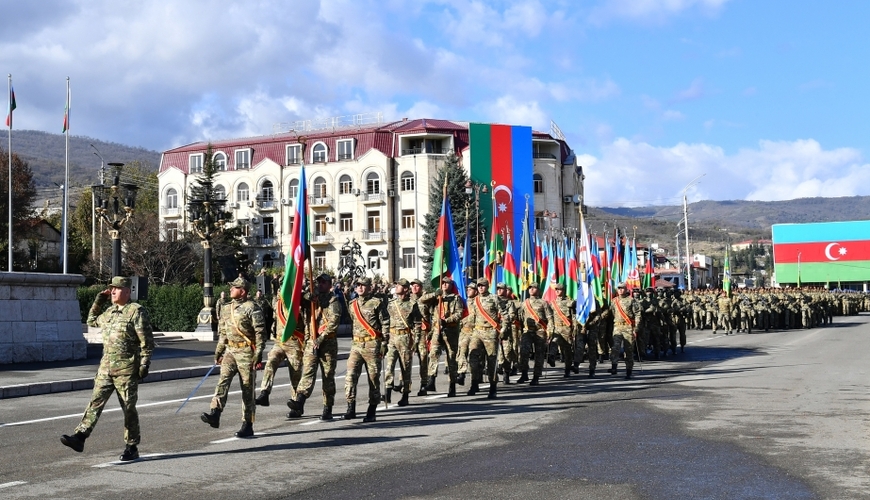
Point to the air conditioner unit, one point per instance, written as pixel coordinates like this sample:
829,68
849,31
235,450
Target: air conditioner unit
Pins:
567,199
255,220
578,198
355,192
382,254
251,204
329,219
391,193
285,201
234,205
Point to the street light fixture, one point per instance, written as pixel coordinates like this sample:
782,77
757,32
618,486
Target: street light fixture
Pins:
207,220
115,204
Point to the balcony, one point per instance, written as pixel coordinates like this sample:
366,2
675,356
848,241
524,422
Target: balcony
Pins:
319,239
372,198
426,151
260,241
319,201
170,212
546,156
373,236
267,205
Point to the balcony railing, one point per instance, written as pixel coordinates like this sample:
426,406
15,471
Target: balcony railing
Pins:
321,239
268,205
260,241
371,197
319,201
428,151
344,156
170,212
367,235
539,155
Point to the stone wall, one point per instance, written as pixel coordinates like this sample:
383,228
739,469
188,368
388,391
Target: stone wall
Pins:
40,318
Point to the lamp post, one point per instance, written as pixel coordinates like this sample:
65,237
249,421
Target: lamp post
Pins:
475,189
93,202
207,220
115,204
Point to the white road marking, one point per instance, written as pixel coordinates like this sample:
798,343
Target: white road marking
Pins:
118,462
13,483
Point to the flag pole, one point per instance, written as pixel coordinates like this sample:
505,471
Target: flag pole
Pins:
9,150
65,230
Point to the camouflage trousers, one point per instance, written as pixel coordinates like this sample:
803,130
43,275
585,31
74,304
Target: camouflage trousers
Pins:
448,341
423,356
128,393
462,354
483,344
292,352
326,359
241,362
399,349
564,343
588,343
724,322
532,341
366,353
623,340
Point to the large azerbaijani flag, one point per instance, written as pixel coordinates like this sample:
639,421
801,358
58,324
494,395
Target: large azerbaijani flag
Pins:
501,159
291,287
821,252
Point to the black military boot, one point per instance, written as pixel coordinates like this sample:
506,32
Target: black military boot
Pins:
460,379
212,418
246,430
514,369
534,381
492,391
370,414
451,393
350,414
388,395
591,371
627,373
551,359
422,392
613,368
567,372
474,388
327,413
404,400
262,399
131,452
506,379
76,441
297,406
524,377
431,385
575,367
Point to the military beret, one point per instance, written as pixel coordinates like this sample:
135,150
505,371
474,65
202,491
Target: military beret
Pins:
482,282
240,283
415,281
470,285
620,285
501,284
324,277
559,286
533,285
120,282
364,281
403,282
446,279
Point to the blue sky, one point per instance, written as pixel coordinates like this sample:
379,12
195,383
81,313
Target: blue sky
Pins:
765,99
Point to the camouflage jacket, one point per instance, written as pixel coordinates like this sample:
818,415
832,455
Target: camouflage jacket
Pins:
128,340
556,321
373,311
487,304
327,310
404,315
242,326
536,320
451,310
631,308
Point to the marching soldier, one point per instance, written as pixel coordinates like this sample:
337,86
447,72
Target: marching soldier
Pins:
423,334
626,318
370,321
239,351
268,315
404,318
535,315
128,343
447,311
589,337
724,305
291,350
508,313
561,326
466,329
488,330
319,350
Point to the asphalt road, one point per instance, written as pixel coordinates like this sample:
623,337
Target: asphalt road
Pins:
776,415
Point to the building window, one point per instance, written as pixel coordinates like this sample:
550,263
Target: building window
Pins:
267,192
409,220
408,183
373,221
374,260
318,188
268,227
409,258
267,261
290,225
320,260
319,225
220,193
538,181
171,231
345,185
220,161
171,198
195,163
245,225
345,222
318,153
345,149
373,183
242,192
293,191
243,159
540,221
294,154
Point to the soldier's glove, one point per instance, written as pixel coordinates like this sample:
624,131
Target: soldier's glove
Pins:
143,371
101,298
318,341
383,351
218,357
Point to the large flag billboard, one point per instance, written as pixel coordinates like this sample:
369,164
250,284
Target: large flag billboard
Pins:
822,252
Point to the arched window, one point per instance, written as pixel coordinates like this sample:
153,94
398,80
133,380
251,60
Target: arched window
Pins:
220,161
407,181
293,192
373,183
373,260
267,192
318,188
220,193
171,198
538,181
242,192
318,153
345,184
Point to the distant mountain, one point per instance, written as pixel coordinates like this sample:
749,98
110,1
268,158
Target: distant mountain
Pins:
45,153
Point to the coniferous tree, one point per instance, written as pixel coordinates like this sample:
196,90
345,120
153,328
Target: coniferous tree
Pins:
23,195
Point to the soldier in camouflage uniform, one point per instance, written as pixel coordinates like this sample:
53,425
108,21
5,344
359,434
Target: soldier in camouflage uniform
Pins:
423,335
242,332
561,324
626,318
466,328
534,314
128,343
724,306
291,350
488,331
404,318
588,335
268,313
508,313
370,321
320,350
447,312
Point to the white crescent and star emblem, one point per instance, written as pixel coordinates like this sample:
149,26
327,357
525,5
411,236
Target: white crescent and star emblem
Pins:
840,252
502,207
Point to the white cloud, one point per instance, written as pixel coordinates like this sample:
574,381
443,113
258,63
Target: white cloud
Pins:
651,11
637,173
673,115
693,92
510,110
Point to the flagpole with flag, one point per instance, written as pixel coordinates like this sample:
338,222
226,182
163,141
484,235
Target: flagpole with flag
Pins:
64,254
294,269
726,275
445,253
9,124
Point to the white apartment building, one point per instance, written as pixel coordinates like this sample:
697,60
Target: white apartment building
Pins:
366,182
